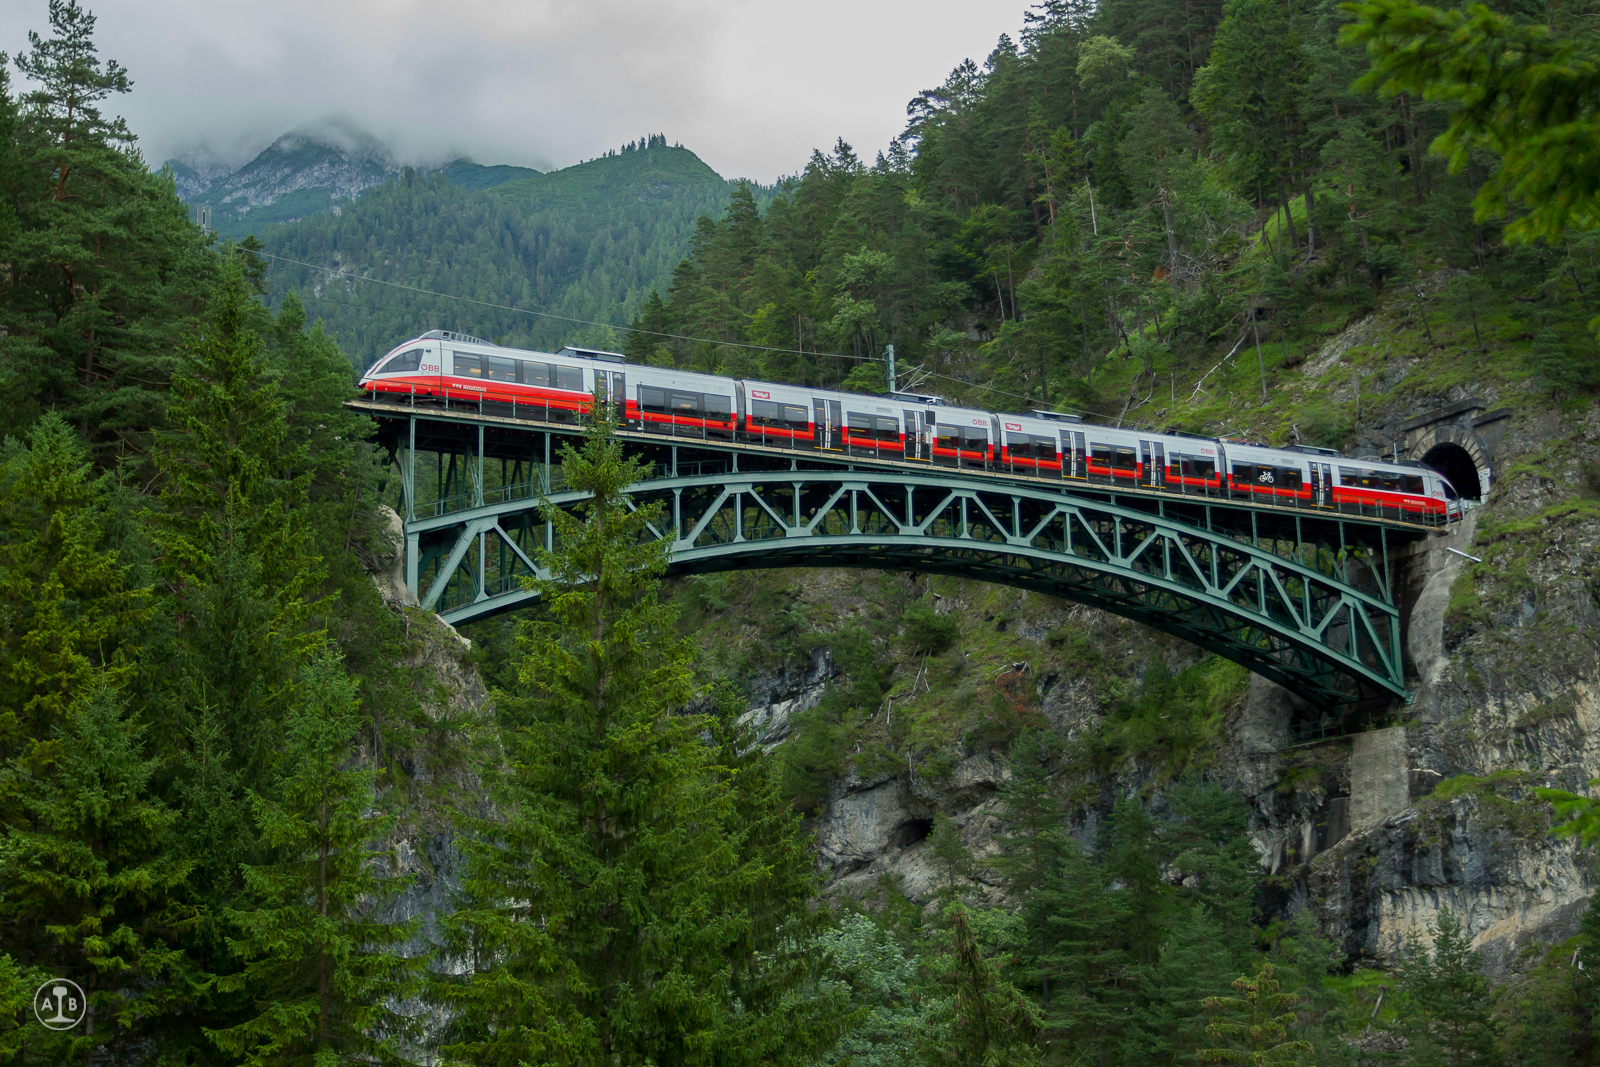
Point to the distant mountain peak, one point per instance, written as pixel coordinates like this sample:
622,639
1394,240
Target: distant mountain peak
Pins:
342,135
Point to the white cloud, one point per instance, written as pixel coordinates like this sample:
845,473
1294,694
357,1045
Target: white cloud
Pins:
750,85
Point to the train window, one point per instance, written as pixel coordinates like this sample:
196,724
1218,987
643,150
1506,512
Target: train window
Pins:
536,374
1122,459
1289,478
718,407
468,366
796,416
1362,479
1028,446
765,413
501,370
686,403
569,378
975,438
948,437
878,427
1411,483
405,361
652,400
1389,481
1244,472
1196,467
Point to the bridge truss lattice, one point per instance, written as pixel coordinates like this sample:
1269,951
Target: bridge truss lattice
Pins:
1306,600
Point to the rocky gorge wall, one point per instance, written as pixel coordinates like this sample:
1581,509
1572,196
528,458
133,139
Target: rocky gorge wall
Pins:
1356,830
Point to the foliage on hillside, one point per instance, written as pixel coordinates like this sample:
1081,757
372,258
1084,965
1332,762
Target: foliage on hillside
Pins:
584,243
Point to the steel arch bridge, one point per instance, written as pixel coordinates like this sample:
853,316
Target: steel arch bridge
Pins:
1306,600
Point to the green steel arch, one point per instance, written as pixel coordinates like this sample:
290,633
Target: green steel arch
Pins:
1306,600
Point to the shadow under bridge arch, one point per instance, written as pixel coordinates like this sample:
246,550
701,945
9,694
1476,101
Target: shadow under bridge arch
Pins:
1307,603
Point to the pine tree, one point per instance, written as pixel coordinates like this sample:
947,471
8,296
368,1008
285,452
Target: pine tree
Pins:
105,269
1253,1028
322,969
608,908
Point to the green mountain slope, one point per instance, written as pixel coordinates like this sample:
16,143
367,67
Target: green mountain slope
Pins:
470,175
589,242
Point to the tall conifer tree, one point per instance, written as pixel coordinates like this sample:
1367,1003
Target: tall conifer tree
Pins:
614,901
323,969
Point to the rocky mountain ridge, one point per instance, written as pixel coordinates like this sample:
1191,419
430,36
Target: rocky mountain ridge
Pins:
310,169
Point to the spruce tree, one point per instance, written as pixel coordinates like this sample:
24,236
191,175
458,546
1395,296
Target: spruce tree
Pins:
323,969
1447,1017
1253,1028
1168,1024
979,1016
1077,954
91,881
67,604
1035,817
237,558
1552,364
614,898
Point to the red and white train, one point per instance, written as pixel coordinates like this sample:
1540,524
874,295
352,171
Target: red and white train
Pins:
561,386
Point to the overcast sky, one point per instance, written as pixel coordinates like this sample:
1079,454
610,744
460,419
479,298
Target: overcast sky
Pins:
752,86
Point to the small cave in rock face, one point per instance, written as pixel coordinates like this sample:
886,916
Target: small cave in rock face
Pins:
1455,463
910,832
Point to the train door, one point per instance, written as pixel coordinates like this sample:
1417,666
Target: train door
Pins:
1317,488
1153,457
917,434
611,387
1072,462
829,416
1326,499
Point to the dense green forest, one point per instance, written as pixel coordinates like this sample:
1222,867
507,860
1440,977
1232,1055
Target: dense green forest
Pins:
587,243
1095,216
211,724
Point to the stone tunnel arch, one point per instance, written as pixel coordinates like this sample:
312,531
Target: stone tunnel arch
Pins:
1459,455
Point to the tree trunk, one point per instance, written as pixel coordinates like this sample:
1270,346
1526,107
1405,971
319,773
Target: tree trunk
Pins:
1311,227
1172,240
1288,218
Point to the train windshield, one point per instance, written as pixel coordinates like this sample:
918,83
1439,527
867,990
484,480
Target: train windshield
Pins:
409,360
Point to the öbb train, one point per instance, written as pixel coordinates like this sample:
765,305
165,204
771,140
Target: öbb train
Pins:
560,387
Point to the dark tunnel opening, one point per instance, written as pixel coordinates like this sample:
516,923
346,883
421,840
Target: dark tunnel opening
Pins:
1455,463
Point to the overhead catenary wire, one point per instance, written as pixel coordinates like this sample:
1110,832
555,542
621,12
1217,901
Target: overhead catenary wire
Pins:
350,276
